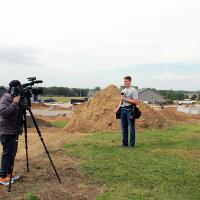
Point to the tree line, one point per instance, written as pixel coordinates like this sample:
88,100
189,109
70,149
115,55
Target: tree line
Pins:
179,95
68,92
85,92
81,92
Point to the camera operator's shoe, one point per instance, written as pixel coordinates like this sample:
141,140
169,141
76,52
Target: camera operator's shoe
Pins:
6,181
14,176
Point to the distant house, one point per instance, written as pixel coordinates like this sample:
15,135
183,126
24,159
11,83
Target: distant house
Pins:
2,90
151,96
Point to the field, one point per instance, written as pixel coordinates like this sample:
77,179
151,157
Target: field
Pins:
164,165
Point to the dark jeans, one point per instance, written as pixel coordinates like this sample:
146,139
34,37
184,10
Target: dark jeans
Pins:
9,152
127,122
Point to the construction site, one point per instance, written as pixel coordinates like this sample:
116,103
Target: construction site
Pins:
95,116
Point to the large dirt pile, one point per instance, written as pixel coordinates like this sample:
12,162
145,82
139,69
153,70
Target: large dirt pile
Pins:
98,114
150,118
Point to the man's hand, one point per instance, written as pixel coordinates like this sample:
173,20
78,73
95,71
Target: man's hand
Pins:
137,101
16,99
116,110
134,102
123,98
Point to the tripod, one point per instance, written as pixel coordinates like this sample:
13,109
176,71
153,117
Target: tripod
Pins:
27,108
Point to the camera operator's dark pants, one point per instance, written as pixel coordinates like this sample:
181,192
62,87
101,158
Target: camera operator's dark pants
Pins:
127,122
9,149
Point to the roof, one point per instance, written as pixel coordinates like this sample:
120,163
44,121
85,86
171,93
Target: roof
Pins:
143,89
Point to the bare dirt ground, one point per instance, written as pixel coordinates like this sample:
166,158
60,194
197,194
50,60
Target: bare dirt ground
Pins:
41,179
41,106
52,106
45,109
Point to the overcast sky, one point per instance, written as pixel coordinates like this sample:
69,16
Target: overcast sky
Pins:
88,43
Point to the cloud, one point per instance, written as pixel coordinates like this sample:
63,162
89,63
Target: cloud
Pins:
14,55
100,40
175,76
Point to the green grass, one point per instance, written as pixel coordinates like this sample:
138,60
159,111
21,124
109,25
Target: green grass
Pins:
164,166
62,99
31,196
58,124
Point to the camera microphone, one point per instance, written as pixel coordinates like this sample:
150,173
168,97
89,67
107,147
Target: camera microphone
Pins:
31,83
38,81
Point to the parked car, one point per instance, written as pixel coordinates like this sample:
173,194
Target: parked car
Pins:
49,100
78,101
186,102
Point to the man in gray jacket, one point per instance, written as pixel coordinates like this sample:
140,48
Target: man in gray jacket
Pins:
11,123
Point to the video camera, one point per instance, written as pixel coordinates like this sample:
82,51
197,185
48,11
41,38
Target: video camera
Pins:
25,91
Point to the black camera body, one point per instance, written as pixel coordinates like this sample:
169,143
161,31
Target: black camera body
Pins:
26,91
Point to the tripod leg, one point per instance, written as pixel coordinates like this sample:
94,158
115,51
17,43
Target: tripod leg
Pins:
26,142
42,140
13,161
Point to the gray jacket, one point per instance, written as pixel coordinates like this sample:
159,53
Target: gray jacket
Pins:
11,118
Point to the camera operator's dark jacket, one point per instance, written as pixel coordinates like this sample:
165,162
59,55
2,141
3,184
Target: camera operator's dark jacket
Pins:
11,118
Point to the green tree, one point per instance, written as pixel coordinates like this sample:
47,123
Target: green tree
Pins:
173,95
97,89
194,97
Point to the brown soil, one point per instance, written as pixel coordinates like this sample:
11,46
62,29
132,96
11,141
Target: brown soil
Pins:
98,114
39,106
42,106
43,121
171,114
40,122
151,118
52,118
41,179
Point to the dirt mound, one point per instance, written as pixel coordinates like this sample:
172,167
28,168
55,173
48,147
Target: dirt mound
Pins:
98,114
150,118
172,114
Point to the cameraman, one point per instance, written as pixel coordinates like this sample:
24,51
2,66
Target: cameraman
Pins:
11,121
129,99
